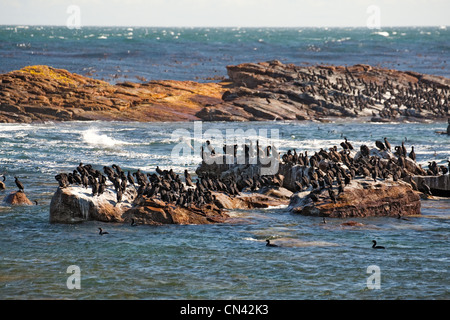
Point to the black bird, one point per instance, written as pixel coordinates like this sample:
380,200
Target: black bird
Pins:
2,183
388,145
349,145
425,188
133,222
101,232
380,145
375,245
268,244
19,184
160,172
332,195
412,154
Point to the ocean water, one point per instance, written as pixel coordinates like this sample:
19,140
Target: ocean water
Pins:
138,54
221,261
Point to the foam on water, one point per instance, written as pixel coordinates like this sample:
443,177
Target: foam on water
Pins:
93,137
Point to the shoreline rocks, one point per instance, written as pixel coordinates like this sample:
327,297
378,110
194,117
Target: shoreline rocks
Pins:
254,92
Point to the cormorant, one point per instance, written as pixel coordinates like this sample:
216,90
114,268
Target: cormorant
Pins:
19,184
375,245
101,232
268,244
412,154
425,188
388,145
2,183
380,145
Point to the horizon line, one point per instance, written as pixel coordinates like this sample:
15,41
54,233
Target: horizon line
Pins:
252,27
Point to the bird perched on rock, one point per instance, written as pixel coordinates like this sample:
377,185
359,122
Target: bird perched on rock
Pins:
425,188
387,144
19,184
380,145
2,183
412,154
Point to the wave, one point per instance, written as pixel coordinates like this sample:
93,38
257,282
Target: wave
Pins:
92,137
382,33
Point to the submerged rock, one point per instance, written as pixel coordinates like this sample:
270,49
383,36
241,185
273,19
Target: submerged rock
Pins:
17,198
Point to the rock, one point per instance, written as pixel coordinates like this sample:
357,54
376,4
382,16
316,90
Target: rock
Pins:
251,200
255,92
439,185
361,198
157,212
76,204
17,198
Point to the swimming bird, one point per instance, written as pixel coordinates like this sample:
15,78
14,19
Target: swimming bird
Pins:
133,222
400,217
101,232
19,184
268,244
375,245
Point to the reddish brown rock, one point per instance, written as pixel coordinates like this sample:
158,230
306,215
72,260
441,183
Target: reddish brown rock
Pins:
156,212
362,198
17,198
256,92
76,204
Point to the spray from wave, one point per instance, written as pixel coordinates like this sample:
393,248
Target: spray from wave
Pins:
92,137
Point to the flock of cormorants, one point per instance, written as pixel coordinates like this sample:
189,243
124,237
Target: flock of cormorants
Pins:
365,165
339,170
355,94
163,184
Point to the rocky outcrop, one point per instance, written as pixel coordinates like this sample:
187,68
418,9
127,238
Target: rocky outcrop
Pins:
154,211
255,91
17,198
361,198
76,204
265,198
43,93
274,91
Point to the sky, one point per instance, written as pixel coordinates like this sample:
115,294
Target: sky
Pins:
226,13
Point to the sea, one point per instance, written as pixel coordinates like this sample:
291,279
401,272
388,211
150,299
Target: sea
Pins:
229,261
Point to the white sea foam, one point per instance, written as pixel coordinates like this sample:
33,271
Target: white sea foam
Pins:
92,137
382,33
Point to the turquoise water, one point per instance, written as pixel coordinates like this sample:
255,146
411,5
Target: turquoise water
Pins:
223,261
